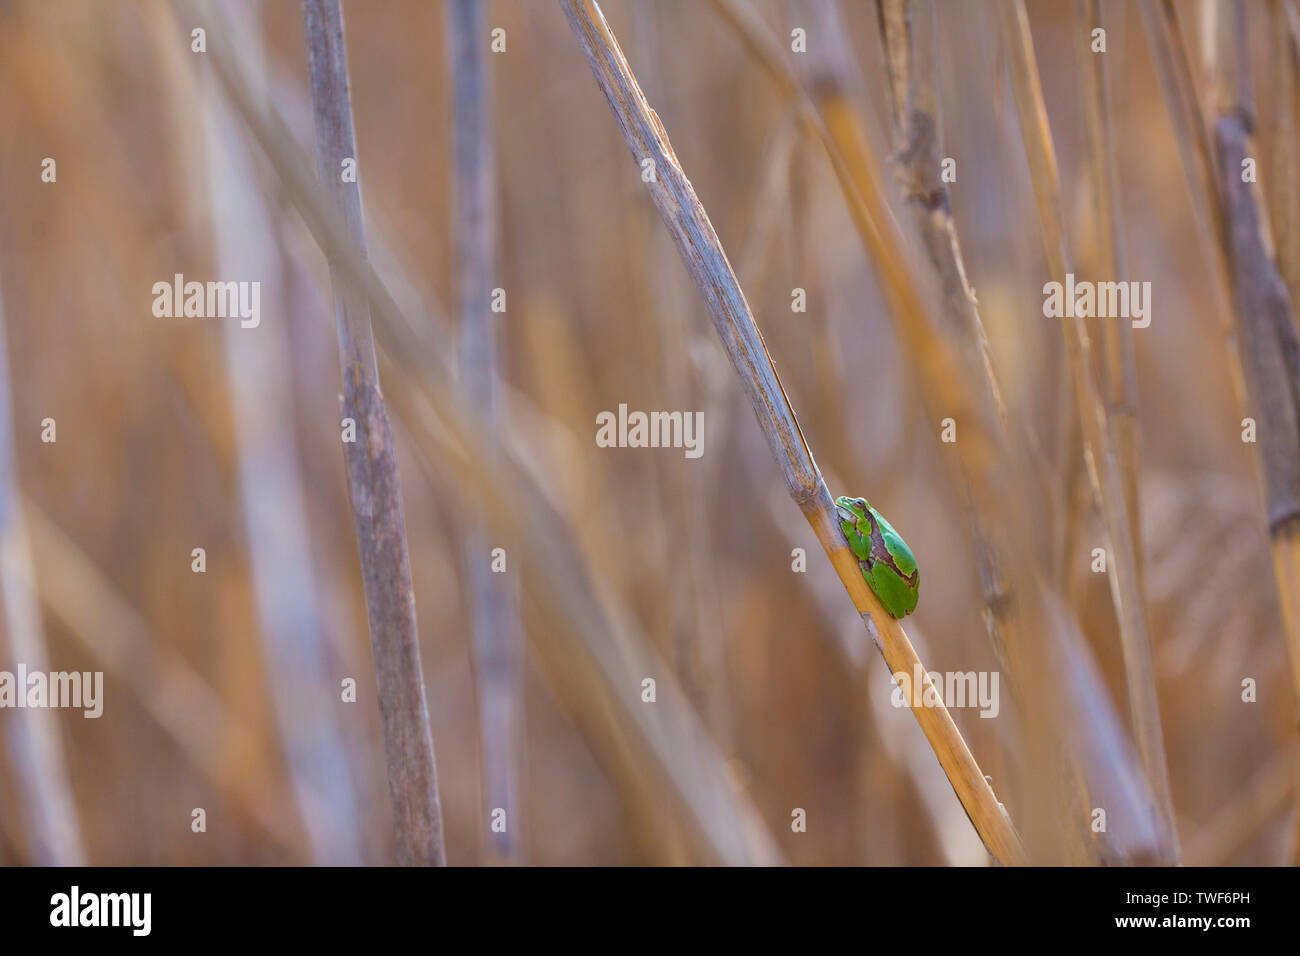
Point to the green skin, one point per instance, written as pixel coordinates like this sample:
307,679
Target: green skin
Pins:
886,560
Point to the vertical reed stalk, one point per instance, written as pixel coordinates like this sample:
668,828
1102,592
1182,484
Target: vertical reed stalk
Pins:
372,468
1267,324
1284,183
1118,358
493,598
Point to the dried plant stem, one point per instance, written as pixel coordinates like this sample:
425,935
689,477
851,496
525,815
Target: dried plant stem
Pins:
1267,325
702,253
1103,469
372,469
1284,182
1119,362
493,598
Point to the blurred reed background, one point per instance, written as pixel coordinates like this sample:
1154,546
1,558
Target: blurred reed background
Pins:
222,689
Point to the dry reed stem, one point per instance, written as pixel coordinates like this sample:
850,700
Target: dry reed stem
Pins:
879,754
907,40
1103,469
492,598
1284,178
702,253
372,470
1267,327
1119,362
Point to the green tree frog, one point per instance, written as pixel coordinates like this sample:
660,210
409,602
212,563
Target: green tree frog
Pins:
886,560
